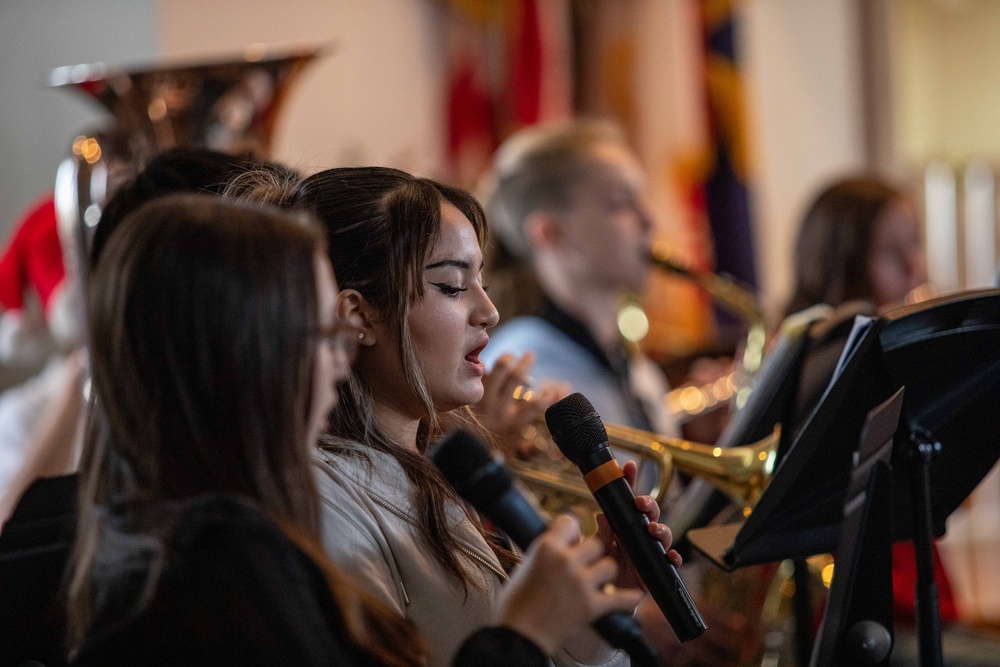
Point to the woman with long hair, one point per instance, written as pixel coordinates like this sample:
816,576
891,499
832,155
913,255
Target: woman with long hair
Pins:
408,254
859,240
216,349
214,353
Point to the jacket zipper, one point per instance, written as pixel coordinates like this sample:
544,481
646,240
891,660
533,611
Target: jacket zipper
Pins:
479,559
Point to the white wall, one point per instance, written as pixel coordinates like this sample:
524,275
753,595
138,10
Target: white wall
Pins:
945,68
37,123
803,78
377,98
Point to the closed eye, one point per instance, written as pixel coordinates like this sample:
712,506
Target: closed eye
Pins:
450,290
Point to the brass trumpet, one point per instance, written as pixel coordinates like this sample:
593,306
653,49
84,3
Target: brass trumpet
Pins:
740,472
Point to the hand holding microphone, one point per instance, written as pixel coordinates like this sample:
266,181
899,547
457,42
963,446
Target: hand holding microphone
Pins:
488,486
579,433
558,587
628,577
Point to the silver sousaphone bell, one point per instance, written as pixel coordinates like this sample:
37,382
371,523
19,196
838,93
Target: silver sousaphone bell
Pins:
229,105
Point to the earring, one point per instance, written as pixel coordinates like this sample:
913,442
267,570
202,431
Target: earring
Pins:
361,336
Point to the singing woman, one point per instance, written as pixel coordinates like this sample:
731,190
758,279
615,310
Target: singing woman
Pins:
408,254
216,350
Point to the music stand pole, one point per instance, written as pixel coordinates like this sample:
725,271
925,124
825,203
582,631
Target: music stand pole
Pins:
857,622
802,606
925,448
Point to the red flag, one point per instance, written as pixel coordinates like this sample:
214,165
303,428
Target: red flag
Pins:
526,67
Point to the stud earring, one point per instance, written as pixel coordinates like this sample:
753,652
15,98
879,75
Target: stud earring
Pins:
361,336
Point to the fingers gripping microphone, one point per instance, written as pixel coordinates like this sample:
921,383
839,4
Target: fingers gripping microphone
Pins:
579,433
487,485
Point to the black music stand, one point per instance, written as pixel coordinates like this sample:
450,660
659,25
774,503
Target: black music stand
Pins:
800,512
857,628
791,380
947,354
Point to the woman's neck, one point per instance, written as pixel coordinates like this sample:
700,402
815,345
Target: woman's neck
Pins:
398,426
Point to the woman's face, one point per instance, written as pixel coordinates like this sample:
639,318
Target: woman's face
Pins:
896,263
447,325
608,222
336,345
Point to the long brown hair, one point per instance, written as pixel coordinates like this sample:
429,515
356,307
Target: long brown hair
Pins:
382,224
203,317
835,241
199,327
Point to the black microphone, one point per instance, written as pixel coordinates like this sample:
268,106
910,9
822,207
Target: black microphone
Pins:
488,486
579,433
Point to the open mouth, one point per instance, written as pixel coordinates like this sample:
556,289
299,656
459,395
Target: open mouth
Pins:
473,357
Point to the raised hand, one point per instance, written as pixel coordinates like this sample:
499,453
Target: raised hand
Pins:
505,415
628,577
560,587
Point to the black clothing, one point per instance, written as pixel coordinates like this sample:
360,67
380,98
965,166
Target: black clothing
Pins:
34,549
233,590
500,647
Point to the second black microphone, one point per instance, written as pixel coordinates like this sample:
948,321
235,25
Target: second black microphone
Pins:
488,486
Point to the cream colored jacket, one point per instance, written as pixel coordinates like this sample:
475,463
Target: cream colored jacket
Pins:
369,531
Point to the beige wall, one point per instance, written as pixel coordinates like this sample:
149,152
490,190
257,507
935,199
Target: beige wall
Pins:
947,71
377,98
804,86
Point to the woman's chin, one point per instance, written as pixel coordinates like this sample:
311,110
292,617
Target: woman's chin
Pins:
460,399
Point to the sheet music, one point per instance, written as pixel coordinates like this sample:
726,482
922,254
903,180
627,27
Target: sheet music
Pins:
774,370
861,324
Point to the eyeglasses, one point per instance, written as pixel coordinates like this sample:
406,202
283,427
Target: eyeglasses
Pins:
340,337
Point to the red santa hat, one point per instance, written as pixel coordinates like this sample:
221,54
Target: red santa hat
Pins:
32,262
33,259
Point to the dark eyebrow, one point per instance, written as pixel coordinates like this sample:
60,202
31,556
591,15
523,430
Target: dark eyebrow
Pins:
449,262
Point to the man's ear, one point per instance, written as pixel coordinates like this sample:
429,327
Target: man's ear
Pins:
543,231
352,307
